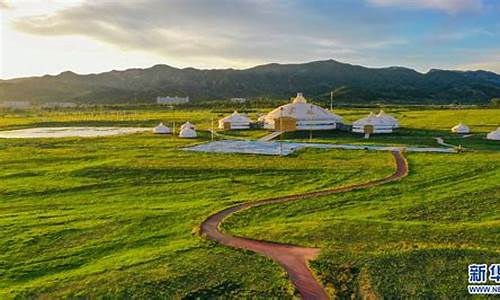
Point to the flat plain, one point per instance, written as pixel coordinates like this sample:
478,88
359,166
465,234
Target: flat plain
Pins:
118,216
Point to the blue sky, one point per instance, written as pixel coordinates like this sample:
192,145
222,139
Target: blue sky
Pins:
50,36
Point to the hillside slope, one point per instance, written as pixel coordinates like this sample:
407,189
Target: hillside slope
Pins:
316,79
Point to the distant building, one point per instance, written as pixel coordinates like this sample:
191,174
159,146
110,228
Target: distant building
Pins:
238,100
59,105
172,100
15,104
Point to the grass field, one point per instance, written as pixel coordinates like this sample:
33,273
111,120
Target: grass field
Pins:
408,239
116,216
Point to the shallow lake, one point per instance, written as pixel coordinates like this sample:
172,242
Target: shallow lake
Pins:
60,132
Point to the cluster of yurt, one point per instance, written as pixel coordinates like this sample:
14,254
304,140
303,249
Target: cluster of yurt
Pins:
460,128
300,115
494,135
235,121
381,123
188,131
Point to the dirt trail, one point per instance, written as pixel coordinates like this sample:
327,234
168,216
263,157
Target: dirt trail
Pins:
293,258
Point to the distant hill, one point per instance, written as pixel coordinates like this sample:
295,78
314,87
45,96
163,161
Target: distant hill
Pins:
315,79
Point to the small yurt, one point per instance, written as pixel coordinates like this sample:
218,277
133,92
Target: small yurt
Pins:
372,124
235,121
161,129
187,125
460,128
300,115
388,119
187,133
494,135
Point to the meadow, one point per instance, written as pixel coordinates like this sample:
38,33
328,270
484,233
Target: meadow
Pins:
118,216
407,239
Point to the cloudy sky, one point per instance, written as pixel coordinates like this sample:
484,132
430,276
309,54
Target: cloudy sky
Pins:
86,36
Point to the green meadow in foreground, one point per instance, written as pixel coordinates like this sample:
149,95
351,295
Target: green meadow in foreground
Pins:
408,239
116,216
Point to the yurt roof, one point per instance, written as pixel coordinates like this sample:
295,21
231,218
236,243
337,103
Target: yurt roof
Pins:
236,117
371,119
383,115
187,132
299,109
460,126
161,126
494,135
187,124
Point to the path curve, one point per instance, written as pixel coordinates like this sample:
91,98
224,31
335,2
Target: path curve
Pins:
292,258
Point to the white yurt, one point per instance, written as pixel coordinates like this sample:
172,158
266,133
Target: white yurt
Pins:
494,135
388,119
460,128
372,124
187,125
300,115
235,121
161,129
187,133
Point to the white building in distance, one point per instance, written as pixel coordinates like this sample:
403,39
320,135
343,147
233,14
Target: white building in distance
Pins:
238,100
59,105
171,100
15,104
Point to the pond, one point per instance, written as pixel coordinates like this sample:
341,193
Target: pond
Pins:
61,132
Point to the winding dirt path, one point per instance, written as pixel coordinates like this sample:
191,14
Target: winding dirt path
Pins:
293,258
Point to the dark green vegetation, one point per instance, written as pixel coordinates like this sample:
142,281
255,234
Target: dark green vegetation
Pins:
315,79
407,239
115,217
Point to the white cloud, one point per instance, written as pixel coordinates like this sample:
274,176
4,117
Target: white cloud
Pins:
449,6
201,32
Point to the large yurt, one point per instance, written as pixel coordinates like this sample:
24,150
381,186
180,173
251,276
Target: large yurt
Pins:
388,119
161,129
300,115
235,121
372,124
494,135
460,128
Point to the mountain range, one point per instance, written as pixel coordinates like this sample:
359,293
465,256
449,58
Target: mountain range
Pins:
316,79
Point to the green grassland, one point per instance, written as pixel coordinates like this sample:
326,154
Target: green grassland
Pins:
419,127
116,216
407,239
